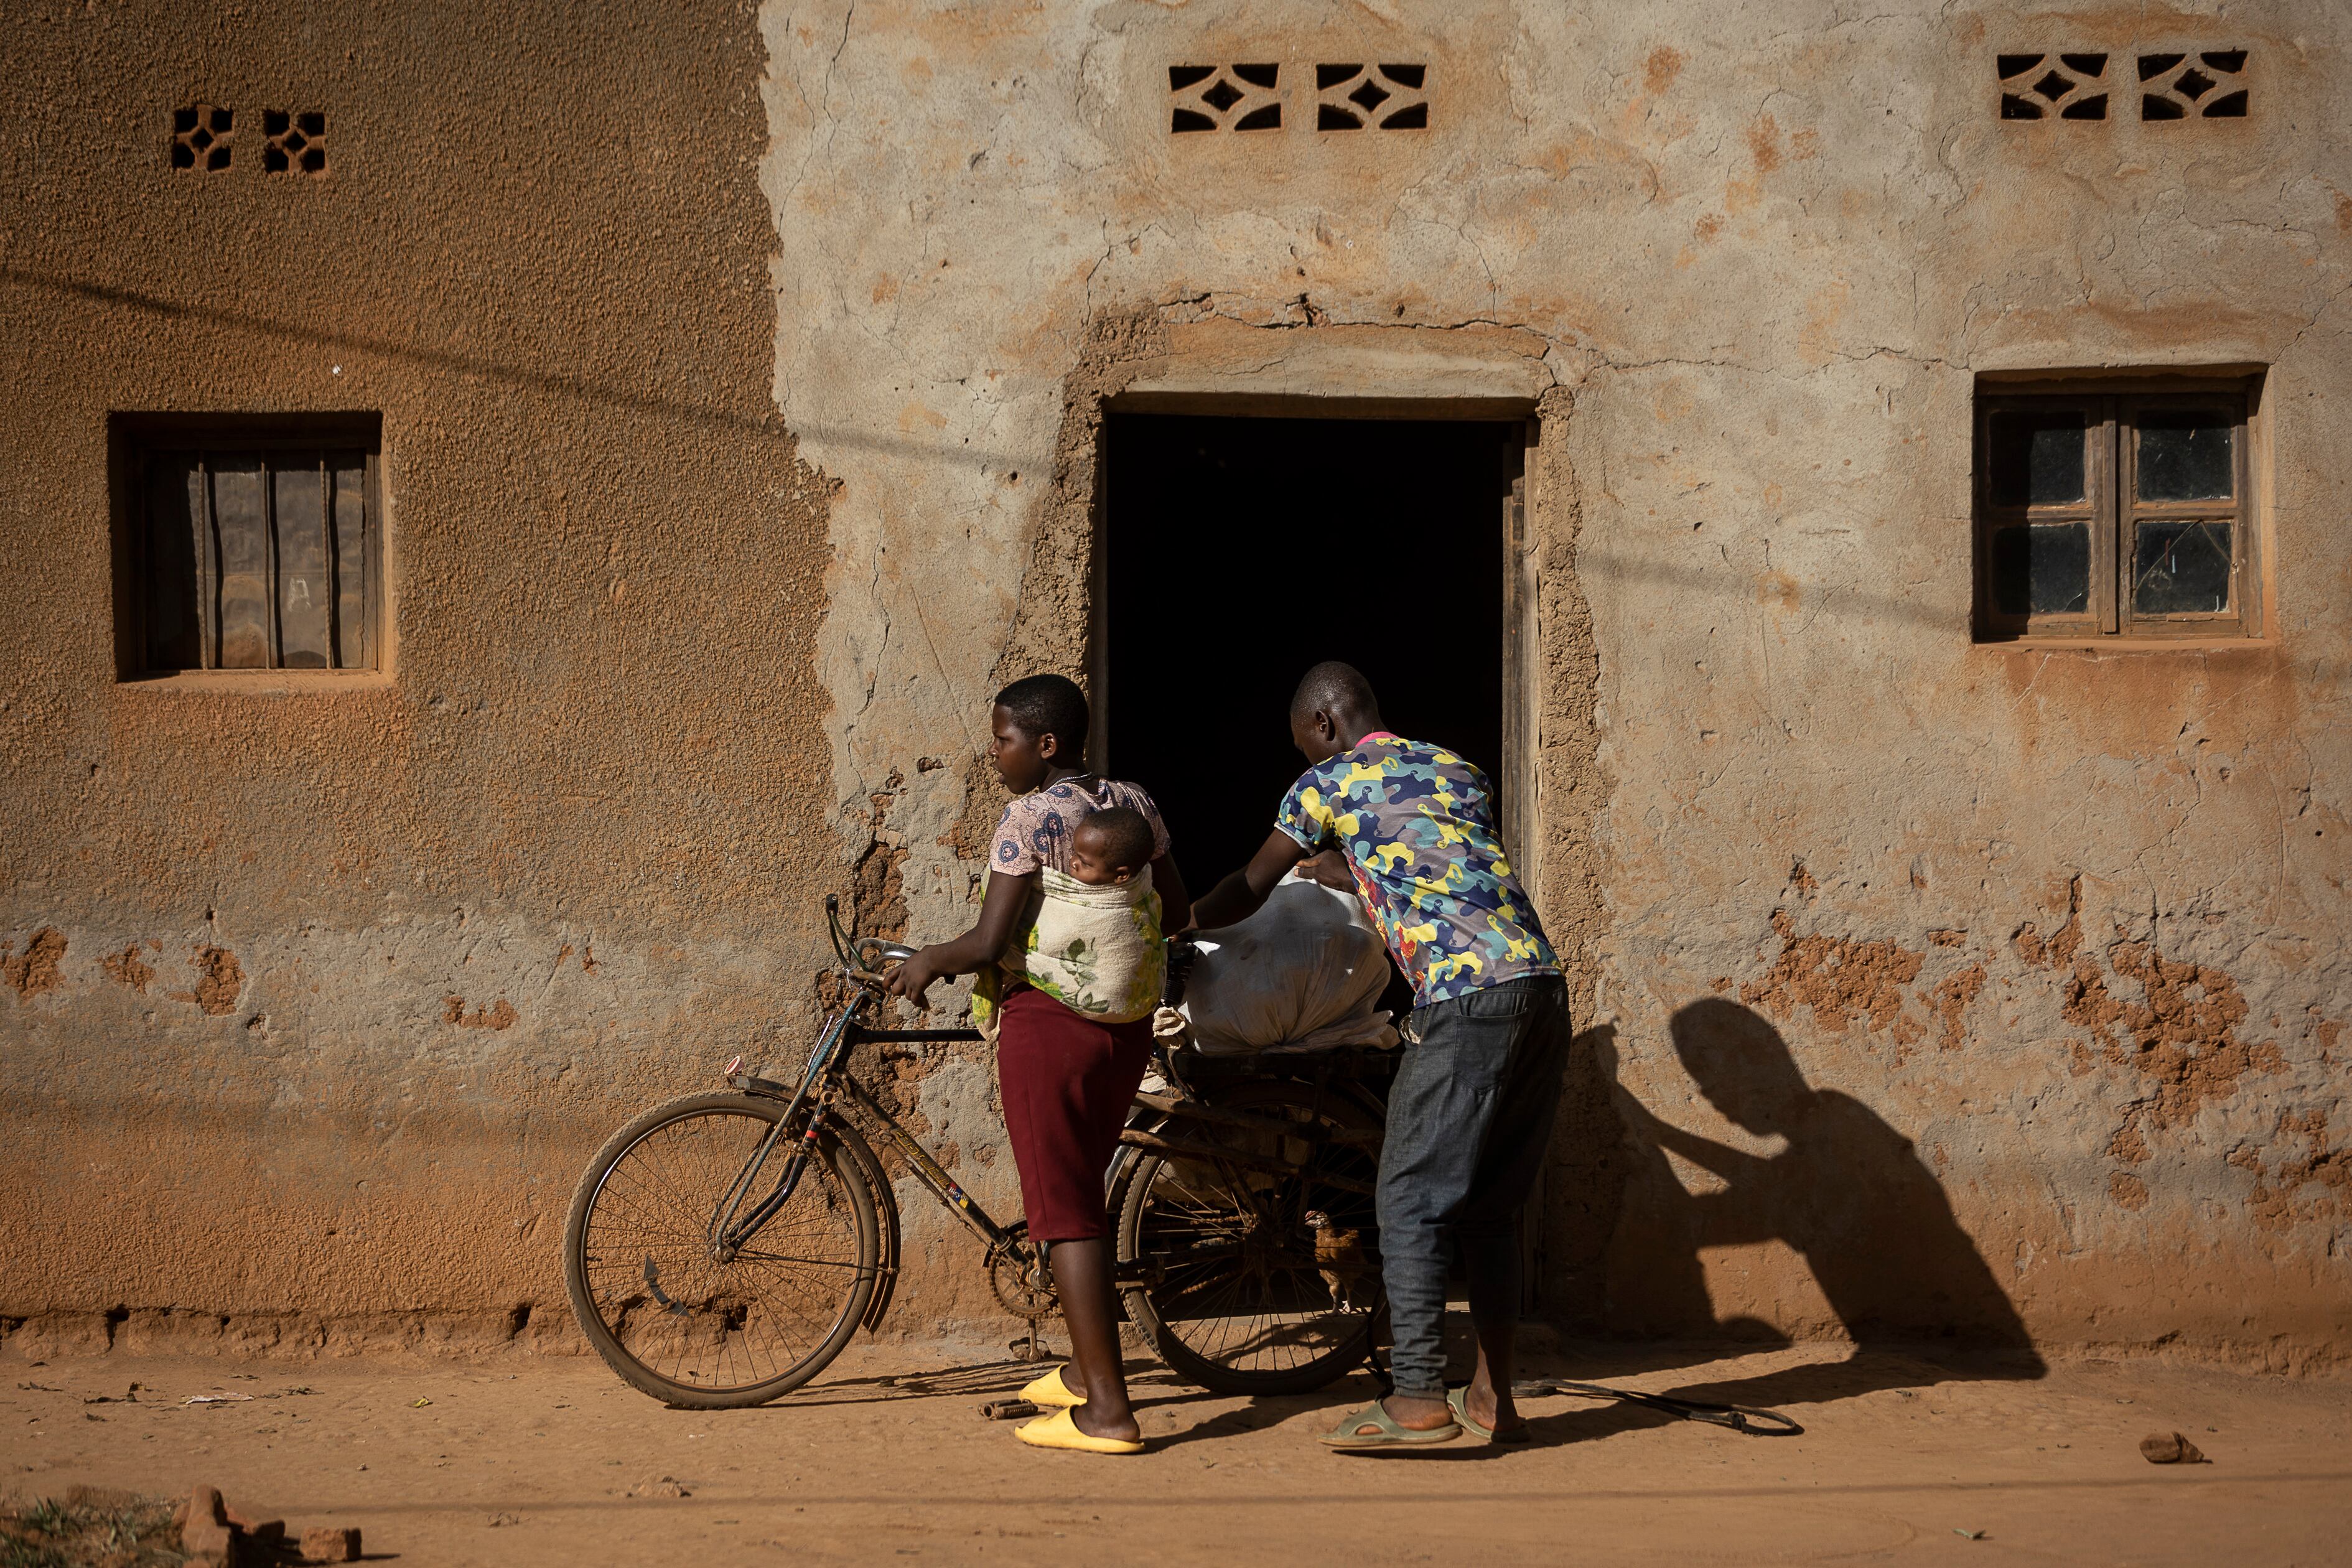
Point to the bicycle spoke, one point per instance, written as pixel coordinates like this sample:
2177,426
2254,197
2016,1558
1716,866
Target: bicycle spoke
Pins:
682,1312
1241,1291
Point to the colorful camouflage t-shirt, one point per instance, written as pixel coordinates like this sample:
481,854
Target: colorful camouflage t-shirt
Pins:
1418,827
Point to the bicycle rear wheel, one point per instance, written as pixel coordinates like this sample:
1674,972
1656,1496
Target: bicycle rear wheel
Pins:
669,1315
1257,1282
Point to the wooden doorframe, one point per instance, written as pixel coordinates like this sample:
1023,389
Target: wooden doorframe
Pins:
1522,752
1522,665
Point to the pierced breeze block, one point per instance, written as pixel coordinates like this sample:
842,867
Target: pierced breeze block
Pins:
1223,98
1352,96
297,145
2046,86
202,137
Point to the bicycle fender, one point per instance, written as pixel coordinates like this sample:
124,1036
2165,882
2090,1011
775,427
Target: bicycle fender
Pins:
1124,1155
885,1215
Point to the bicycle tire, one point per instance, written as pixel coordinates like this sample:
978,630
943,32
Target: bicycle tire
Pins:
713,1303
1164,1198
886,1217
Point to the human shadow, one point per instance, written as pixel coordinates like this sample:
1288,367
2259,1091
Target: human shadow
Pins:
1848,1193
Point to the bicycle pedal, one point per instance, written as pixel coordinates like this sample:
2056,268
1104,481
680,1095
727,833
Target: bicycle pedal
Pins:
1009,1410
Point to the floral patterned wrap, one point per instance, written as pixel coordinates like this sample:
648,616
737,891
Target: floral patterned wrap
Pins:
1096,950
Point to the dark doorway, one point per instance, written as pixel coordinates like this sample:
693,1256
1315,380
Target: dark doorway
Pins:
1242,551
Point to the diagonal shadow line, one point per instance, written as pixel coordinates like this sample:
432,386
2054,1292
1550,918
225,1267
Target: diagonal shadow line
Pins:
1815,598
1729,590
768,425
1383,1495
961,1381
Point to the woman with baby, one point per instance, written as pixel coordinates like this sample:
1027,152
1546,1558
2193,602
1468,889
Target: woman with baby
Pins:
1069,950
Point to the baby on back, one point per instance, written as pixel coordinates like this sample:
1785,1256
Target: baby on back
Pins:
1110,848
1094,944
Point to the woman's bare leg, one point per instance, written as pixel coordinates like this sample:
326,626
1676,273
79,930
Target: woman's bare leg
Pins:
1082,1278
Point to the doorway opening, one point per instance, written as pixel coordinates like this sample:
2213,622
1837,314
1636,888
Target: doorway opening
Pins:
1238,551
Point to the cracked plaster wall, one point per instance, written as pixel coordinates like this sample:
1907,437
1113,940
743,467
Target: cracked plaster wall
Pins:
1751,261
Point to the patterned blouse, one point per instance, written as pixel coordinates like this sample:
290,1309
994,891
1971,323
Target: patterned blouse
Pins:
1036,828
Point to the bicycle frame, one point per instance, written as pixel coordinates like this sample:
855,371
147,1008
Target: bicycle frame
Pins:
825,1081
929,1172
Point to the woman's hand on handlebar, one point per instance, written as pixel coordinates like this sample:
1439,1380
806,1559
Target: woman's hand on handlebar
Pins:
914,976
961,955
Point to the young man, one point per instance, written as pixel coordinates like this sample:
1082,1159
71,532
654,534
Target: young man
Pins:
1475,1097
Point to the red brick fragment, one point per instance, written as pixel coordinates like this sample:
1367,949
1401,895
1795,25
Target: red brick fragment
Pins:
331,1543
202,1537
260,1529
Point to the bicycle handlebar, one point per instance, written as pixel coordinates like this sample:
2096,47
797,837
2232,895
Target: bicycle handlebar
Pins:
861,956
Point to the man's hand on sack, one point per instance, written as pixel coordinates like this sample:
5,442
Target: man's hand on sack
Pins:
1330,868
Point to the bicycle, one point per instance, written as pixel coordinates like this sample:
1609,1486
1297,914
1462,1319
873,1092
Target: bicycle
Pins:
722,1248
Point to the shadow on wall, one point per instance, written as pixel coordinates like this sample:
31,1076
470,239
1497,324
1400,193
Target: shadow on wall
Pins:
1849,1195
519,377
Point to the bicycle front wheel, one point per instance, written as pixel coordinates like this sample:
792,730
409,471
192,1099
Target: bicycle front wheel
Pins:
669,1314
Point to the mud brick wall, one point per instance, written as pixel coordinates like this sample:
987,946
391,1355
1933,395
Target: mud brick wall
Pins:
743,374
323,988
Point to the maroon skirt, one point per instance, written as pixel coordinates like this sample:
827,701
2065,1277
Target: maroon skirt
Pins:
1068,1082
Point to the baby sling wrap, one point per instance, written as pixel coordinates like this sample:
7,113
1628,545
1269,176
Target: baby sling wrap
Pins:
1096,950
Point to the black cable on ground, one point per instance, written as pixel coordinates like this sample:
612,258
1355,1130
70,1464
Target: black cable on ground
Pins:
1748,1418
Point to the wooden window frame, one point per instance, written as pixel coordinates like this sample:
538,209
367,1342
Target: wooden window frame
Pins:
139,439
2112,410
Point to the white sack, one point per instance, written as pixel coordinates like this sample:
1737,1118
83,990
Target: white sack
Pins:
1304,973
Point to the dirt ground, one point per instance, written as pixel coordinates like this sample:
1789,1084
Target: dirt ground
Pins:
552,1460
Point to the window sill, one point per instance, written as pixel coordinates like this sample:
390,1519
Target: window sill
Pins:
2191,644
260,682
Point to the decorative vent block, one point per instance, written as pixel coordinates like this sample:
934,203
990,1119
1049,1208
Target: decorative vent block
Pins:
202,137
1352,97
2061,86
1223,98
2208,85
297,145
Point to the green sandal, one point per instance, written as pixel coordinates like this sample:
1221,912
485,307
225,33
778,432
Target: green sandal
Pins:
1388,1435
1459,1398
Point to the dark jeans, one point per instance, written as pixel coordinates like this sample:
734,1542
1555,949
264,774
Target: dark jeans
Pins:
1469,1115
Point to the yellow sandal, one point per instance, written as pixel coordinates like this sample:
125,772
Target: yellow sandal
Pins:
1058,1431
1053,1388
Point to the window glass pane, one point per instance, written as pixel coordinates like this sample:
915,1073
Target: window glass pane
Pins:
2185,454
2037,457
175,514
351,559
2181,568
243,561
2044,570
305,587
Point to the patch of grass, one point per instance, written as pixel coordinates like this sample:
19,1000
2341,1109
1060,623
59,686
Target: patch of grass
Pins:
89,1528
